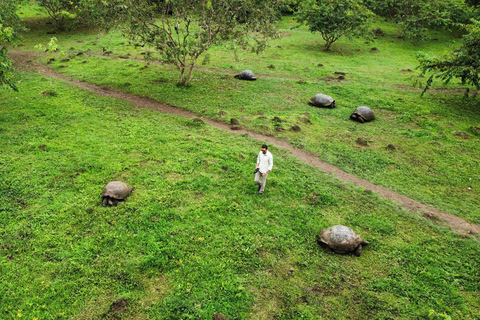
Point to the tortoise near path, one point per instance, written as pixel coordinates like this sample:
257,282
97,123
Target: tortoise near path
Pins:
341,239
114,193
246,75
362,114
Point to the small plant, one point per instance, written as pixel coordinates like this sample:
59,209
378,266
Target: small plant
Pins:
52,46
435,315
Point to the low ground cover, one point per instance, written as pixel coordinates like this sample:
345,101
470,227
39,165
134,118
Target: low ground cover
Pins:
194,238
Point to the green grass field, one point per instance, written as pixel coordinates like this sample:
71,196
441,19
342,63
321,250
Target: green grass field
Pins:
194,238
436,136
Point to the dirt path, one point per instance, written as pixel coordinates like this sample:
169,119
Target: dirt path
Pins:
23,59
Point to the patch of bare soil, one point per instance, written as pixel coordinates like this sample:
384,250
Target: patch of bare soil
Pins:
456,223
119,305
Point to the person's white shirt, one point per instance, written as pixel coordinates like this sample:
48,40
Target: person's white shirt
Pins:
265,161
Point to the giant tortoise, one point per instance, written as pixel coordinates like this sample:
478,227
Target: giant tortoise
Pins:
322,101
341,239
246,75
362,114
114,193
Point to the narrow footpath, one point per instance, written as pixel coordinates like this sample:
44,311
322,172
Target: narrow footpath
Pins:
24,59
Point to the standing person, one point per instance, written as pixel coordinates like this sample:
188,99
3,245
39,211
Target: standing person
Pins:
264,165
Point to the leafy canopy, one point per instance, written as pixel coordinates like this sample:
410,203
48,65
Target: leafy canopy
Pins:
9,25
60,10
182,30
413,17
463,63
334,18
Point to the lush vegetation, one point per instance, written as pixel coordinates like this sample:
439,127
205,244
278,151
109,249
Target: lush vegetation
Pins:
334,20
413,18
183,30
10,24
436,136
194,239
463,63
60,11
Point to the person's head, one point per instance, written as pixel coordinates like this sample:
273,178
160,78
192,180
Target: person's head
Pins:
264,148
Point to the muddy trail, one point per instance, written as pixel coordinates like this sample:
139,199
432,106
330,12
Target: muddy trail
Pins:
25,60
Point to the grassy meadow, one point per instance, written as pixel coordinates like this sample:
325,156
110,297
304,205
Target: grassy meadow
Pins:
436,137
194,238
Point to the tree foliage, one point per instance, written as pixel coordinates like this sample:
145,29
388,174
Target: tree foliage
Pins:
334,19
60,10
413,17
473,3
463,63
288,6
182,30
10,23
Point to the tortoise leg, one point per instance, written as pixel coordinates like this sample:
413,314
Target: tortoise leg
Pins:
358,251
328,250
116,202
360,119
105,201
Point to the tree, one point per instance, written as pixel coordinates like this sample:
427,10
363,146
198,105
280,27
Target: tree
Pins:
413,17
184,29
463,63
60,10
334,18
10,23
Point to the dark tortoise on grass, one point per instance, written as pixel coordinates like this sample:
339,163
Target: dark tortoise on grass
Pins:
322,101
341,239
114,193
362,114
246,75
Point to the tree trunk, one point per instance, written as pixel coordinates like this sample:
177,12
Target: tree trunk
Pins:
182,75
327,46
329,39
59,23
189,77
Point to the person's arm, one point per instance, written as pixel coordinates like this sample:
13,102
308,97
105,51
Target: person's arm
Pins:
258,161
270,163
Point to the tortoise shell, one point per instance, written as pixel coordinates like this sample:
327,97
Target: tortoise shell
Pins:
362,114
246,75
114,192
340,239
322,101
